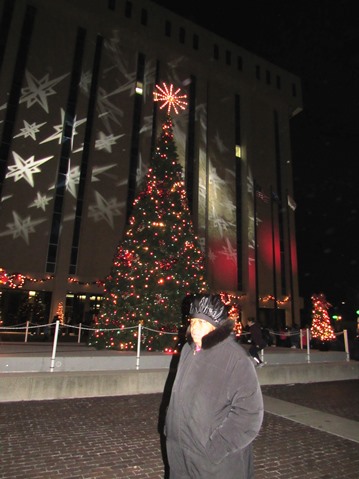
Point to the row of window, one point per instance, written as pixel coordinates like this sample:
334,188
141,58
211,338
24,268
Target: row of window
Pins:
195,44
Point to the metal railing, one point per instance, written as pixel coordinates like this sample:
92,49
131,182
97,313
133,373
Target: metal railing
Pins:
303,333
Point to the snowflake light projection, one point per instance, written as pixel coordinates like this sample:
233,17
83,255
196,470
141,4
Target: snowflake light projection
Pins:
169,98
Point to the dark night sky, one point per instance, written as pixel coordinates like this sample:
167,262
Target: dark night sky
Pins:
318,40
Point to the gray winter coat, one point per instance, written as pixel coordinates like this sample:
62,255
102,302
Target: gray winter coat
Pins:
215,410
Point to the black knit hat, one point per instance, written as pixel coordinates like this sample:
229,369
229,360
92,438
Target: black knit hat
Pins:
209,307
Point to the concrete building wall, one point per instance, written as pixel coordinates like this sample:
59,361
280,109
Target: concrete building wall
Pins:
73,130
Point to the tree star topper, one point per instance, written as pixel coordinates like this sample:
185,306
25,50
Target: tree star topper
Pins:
169,98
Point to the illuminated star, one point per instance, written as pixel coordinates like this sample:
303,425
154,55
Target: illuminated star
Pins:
169,98
21,227
37,91
211,255
215,181
72,179
25,168
85,81
59,129
105,142
229,252
105,210
30,130
41,201
222,225
107,110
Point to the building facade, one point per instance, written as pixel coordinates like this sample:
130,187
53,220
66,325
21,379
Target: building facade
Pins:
77,127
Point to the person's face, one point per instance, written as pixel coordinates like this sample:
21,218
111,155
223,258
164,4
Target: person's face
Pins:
199,328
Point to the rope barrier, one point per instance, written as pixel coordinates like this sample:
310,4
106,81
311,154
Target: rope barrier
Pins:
302,333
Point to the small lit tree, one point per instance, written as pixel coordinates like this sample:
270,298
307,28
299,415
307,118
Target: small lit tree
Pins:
321,329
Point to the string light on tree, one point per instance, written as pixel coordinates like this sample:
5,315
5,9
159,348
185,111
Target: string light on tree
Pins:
170,98
158,263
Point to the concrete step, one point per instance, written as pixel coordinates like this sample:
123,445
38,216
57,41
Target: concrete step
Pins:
33,372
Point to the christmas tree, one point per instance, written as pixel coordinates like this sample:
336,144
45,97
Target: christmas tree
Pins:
32,309
321,329
159,262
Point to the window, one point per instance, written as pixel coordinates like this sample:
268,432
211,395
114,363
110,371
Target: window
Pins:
195,42
168,28
258,72
278,82
182,35
215,52
228,57
144,17
294,89
268,77
239,63
128,9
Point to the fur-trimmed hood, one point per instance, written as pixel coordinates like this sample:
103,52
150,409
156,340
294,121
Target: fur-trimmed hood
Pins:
214,337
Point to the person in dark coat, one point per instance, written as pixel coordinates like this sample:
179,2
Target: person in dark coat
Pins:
257,341
216,405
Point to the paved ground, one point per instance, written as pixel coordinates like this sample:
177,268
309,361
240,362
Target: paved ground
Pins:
117,437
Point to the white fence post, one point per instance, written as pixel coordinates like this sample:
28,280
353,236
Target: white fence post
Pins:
139,333
54,346
345,332
308,346
79,335
26,331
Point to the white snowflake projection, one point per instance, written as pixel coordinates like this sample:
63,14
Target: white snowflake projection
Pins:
85,81
105,210
37,91
77,150
25,169
202,190
30,130
113,48
125,87
59,129
147,124
41,201
219,144
105,142
217,183
202,243
107,110
99,170
149,79
141,171
229,252
211,255
6,197
72,179
250,184
229,206
222,225
21,227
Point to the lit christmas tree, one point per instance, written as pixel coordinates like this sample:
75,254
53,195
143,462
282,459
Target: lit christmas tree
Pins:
321,329
60,312
32,309
159,262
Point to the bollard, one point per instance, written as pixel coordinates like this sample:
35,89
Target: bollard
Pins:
345,332
54,347
27,331
308,346
138,346
79,335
